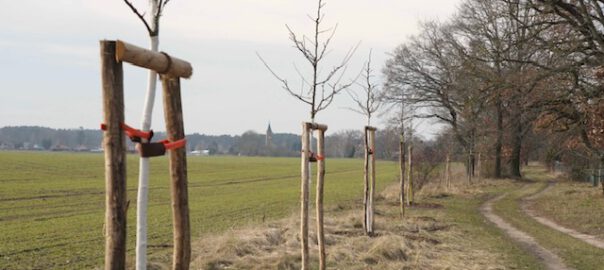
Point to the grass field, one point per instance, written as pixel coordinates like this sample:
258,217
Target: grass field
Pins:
52,204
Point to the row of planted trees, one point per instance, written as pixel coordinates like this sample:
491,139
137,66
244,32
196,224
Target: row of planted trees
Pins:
498,73
318,90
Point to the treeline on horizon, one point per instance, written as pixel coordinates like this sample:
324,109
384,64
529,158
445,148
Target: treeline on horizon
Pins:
340,144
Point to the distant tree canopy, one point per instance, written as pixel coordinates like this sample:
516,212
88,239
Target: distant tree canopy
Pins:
501,73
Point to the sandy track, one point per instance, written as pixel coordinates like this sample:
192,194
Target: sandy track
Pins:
589,239
548,258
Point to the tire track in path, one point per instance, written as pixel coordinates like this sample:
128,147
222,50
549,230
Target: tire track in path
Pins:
548,258
586,238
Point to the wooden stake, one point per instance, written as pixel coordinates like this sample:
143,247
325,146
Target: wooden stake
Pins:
448,171
304,195
366,184
410,176
114,145
158,61
320,184
178,172
371,179
401,154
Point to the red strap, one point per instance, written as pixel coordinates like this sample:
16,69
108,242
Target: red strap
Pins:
132,132
136,133
174,145
320,157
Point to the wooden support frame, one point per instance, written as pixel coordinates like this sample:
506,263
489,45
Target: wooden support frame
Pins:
307,129
112,53
114,143
161,62
369,179
181,256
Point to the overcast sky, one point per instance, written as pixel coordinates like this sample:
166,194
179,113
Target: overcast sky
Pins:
51,72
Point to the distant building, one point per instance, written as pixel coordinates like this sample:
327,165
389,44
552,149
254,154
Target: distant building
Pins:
269,135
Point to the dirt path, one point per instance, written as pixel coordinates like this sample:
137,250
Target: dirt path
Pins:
589,239
548,258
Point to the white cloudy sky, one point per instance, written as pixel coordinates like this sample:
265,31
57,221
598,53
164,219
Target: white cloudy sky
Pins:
50,59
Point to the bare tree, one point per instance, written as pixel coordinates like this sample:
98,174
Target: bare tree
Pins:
152,25
318,91
370,100
368,104
395,94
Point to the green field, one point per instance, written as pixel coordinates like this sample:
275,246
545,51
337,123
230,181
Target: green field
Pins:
52,204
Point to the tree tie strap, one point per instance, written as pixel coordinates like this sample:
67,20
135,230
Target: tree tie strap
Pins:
168,66
314,157
135,135
156,149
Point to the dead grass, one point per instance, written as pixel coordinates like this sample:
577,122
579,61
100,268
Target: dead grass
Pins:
424,240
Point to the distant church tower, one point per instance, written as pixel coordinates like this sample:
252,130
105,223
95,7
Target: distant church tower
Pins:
269,135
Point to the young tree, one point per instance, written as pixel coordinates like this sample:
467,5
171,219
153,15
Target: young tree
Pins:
368,104
318,91
151,23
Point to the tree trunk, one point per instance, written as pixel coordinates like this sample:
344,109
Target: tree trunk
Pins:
320,182
600,173
516,147
178,172
304,196
470,167
499,138
143,172
114,145
478,167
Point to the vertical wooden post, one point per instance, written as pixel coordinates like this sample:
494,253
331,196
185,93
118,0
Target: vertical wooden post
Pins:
410,176
320,184
178,173
366,183
114,145
304,195
401,149
371,180
448,171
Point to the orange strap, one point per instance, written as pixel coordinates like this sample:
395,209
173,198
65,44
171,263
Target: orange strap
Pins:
174,145
134,134
320,157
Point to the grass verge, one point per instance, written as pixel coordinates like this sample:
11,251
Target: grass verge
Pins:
575,253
